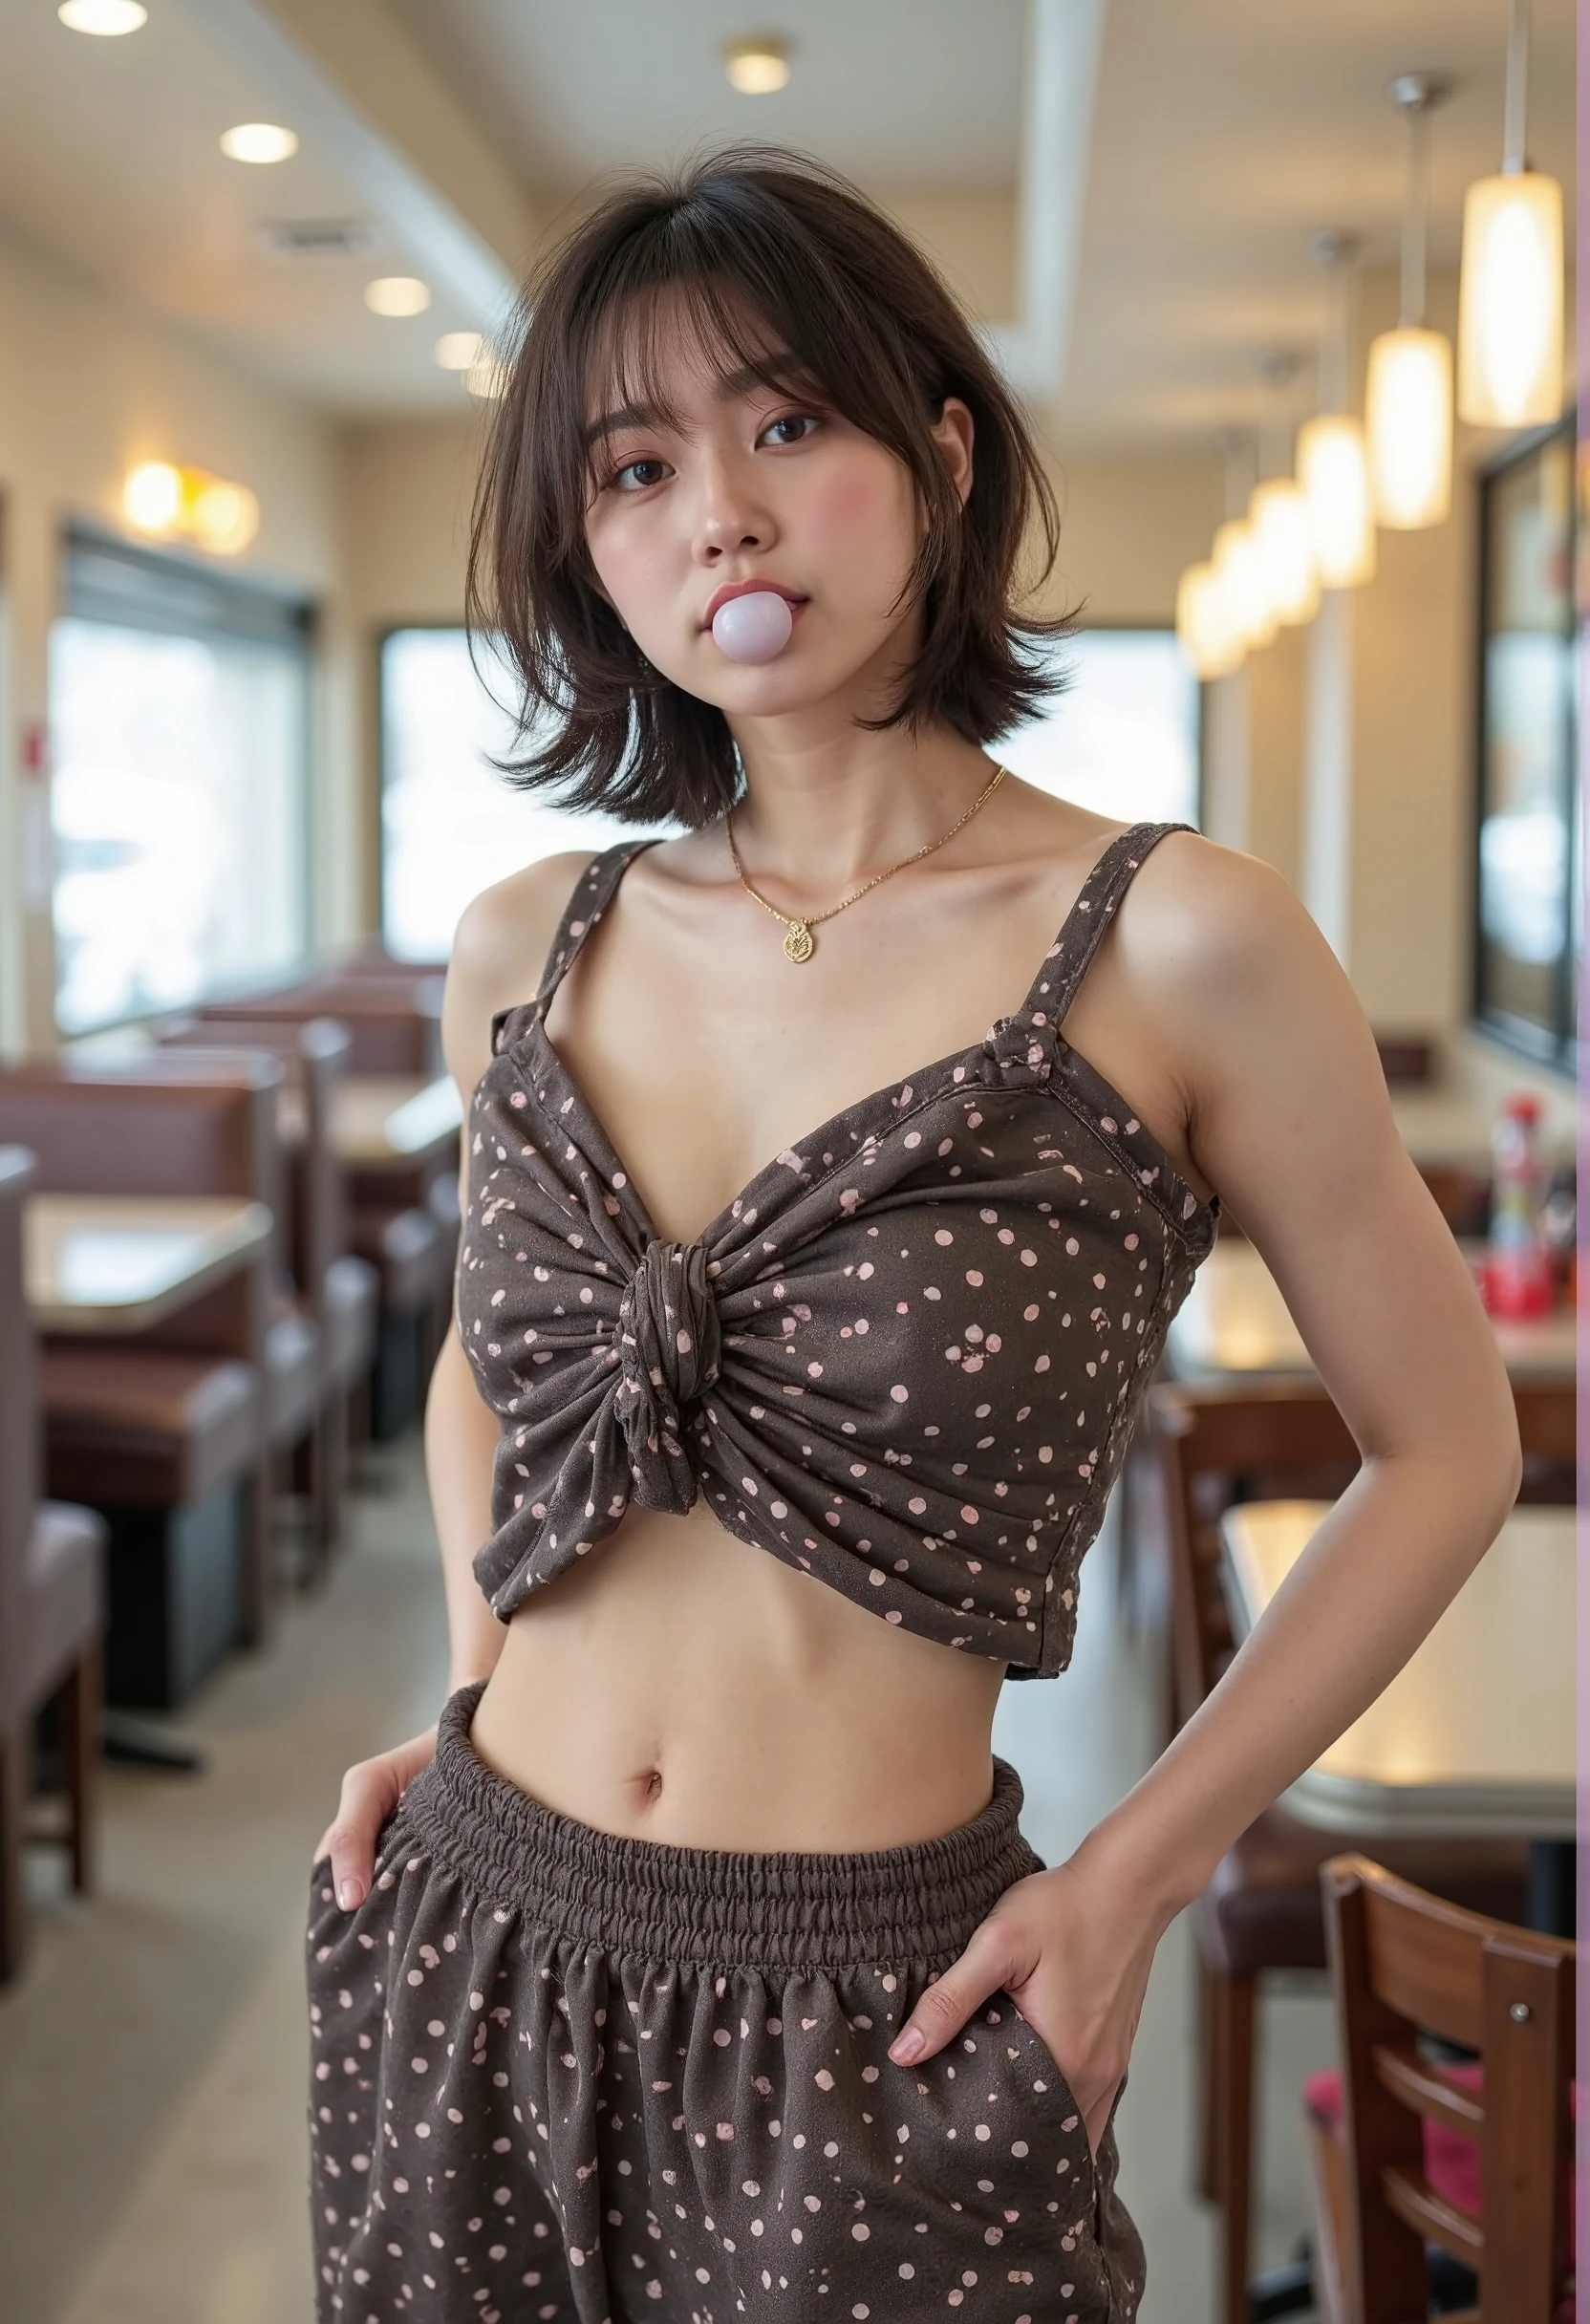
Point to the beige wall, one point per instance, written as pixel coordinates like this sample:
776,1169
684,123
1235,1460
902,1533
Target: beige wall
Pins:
87,389
406,492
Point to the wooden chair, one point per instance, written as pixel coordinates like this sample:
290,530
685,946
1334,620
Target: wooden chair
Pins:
1388,2134
51,1596
1262,1911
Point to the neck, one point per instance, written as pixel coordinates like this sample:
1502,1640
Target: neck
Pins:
829,803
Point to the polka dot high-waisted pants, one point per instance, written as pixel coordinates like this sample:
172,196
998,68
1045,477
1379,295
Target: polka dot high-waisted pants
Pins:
591,2080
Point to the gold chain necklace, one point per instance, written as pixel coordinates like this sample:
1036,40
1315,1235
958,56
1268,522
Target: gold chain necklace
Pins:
799,944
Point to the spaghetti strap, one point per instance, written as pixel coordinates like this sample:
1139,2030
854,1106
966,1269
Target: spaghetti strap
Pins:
592,893
1099,899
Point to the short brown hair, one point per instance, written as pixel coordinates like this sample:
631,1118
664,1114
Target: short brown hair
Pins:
784,266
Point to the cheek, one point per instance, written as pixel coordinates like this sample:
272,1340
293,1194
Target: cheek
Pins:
635,566
864,509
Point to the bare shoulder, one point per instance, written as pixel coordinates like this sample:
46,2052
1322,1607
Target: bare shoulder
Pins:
1238,981
1204,913
499,948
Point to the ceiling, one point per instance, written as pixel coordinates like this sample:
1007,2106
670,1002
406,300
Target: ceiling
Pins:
895,92
1224,134
110,162
1221,135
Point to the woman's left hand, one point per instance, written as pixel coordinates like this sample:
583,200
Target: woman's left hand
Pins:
1073,1949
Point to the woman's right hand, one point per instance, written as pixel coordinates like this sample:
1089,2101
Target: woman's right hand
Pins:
370,1792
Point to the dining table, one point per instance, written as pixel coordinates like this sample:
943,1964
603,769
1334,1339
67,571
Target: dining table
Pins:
1233,1324
1474,1736
118,1264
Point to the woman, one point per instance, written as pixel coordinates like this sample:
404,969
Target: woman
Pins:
695,1967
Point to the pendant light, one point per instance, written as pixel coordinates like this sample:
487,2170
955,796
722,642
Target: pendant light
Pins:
1510,312
1278,513
1204,626
1333,457
1409,394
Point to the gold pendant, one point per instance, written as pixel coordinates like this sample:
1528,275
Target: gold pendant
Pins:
799,942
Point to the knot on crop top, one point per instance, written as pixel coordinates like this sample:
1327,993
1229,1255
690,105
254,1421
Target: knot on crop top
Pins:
906,1358
667,1354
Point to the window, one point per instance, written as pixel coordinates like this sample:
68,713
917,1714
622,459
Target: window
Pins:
450,822
179,719
1123,739
1527,872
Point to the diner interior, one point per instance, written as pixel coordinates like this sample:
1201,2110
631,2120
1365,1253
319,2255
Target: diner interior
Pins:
1288,295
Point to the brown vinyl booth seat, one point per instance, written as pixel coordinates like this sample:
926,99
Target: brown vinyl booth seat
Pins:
1262,1911
167,1429
403,1218
338,1291
51,1594
394,1023
1391,2172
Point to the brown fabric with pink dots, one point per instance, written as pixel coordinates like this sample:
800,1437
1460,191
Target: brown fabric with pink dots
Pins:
589,2080
906,1358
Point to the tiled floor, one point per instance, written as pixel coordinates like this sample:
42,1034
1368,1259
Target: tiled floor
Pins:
152,2058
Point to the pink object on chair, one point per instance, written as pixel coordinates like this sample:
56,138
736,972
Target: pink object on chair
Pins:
1451,2161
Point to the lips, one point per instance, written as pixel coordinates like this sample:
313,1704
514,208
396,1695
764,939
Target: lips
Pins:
745,588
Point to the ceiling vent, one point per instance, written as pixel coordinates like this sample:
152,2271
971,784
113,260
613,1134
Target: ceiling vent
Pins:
318,237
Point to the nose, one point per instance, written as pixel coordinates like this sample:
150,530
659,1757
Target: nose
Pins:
731,517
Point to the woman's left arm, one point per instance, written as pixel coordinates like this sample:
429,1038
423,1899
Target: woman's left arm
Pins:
1287,1113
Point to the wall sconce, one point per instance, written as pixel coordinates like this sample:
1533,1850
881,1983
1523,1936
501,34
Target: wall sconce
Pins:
190,503
1510,310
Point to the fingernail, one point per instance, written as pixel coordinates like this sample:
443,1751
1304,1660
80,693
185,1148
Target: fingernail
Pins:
349,1895
908,2046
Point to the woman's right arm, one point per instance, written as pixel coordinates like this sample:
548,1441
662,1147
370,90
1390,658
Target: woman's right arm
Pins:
504,928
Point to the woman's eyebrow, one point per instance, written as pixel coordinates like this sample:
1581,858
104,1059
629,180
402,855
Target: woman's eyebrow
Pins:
780,368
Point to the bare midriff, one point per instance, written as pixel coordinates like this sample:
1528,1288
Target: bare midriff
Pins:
684,1687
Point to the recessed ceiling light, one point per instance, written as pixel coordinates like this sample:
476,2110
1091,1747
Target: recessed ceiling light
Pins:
396,294
108,18
259,141
487,377
458,350
757,66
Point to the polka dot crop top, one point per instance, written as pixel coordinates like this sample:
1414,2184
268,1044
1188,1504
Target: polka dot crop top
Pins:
905,1359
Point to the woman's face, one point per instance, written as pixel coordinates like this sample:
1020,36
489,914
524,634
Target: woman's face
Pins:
747,482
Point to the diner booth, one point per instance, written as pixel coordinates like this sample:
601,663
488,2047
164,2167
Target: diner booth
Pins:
1321,501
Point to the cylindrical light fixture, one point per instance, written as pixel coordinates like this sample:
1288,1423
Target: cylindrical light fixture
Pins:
1410,404
1333,474
1283,536
1510,312
1239,571
1409,399
1203,623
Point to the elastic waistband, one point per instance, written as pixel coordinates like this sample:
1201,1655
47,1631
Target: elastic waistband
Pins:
902,1906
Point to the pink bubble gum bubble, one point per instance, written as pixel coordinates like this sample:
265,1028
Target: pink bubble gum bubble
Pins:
754,627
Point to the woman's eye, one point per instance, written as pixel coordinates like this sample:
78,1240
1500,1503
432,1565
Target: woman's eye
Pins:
791,429
636,474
